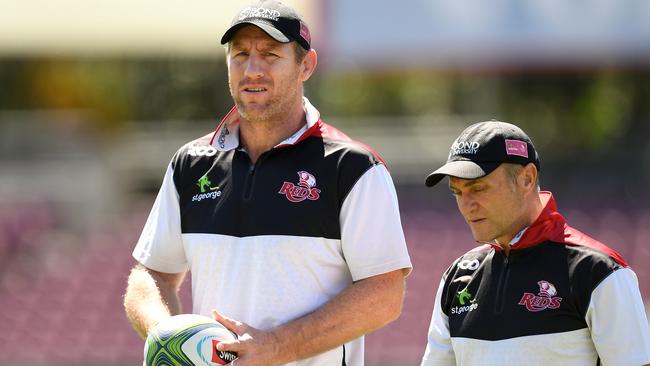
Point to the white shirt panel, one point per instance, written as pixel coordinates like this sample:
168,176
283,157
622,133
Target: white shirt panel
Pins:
439,351
280,278
371,230
618,322
160,246
572,348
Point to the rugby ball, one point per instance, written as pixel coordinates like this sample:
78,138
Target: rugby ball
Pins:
187,340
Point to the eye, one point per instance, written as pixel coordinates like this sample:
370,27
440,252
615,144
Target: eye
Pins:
478,188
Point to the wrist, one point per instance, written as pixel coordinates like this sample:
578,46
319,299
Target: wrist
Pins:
280,351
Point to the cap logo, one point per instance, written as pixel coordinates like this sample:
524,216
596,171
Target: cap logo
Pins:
516,147
304,32
264,13
464,147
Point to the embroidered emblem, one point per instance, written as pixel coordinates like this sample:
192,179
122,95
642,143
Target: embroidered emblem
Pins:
545,298
305,189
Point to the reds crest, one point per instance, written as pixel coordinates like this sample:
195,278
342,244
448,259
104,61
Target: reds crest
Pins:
545,300
304,190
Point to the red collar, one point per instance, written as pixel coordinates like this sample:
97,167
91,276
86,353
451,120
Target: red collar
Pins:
549,225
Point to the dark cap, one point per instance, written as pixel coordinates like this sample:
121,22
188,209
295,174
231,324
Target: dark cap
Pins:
279,21
482,147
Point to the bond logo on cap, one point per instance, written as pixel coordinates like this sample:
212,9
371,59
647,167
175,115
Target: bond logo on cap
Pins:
464,147
264,13
516,147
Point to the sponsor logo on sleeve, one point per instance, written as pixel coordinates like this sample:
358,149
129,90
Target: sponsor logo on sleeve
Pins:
201,150
545,298
471,265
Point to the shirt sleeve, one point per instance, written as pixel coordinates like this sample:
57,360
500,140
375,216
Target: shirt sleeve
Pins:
371,231
617,320
160,246
439,351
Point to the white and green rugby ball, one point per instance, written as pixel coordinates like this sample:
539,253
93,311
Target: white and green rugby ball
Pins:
187,340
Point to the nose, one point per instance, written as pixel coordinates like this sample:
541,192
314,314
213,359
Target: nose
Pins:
466,204
254,68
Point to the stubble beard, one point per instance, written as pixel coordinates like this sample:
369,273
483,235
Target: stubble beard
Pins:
275,109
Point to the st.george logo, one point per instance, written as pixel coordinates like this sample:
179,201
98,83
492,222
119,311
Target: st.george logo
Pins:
304,190
207,190
466,301
545,298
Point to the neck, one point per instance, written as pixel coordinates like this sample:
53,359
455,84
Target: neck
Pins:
532,210
259,136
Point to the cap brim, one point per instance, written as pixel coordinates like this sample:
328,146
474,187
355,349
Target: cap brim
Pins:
464,169
266,27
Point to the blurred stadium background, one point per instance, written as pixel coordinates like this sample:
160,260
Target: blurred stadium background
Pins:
96,96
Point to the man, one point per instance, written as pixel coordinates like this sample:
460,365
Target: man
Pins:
537,292
291,230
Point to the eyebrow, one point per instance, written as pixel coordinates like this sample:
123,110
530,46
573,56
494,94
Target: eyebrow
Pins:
265,46
467,183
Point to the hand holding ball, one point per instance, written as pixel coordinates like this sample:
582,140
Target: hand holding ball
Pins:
187,340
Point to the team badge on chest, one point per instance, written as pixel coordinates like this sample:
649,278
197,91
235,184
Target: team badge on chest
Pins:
545,298
304,190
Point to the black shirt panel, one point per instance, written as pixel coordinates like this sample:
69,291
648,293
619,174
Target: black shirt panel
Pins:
292,190
542,289
353,160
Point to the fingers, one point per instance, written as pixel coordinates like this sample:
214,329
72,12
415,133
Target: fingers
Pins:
232,324
234,346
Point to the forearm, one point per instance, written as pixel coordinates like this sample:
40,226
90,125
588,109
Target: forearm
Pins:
149,300
363,307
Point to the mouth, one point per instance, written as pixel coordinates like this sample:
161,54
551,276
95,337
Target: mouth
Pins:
254,89
475,221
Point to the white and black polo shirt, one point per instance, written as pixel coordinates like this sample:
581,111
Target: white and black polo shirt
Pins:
272,241
559,298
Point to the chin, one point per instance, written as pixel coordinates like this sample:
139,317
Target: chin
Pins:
482,237
252,113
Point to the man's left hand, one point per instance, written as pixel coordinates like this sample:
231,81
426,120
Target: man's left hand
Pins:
253,346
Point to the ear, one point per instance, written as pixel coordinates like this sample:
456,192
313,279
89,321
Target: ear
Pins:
528,178
308,64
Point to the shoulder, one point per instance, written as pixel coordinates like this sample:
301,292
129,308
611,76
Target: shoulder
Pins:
194,151
468,262
338,143
348,160
590,259
462,271
194,158
588,248
195,148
